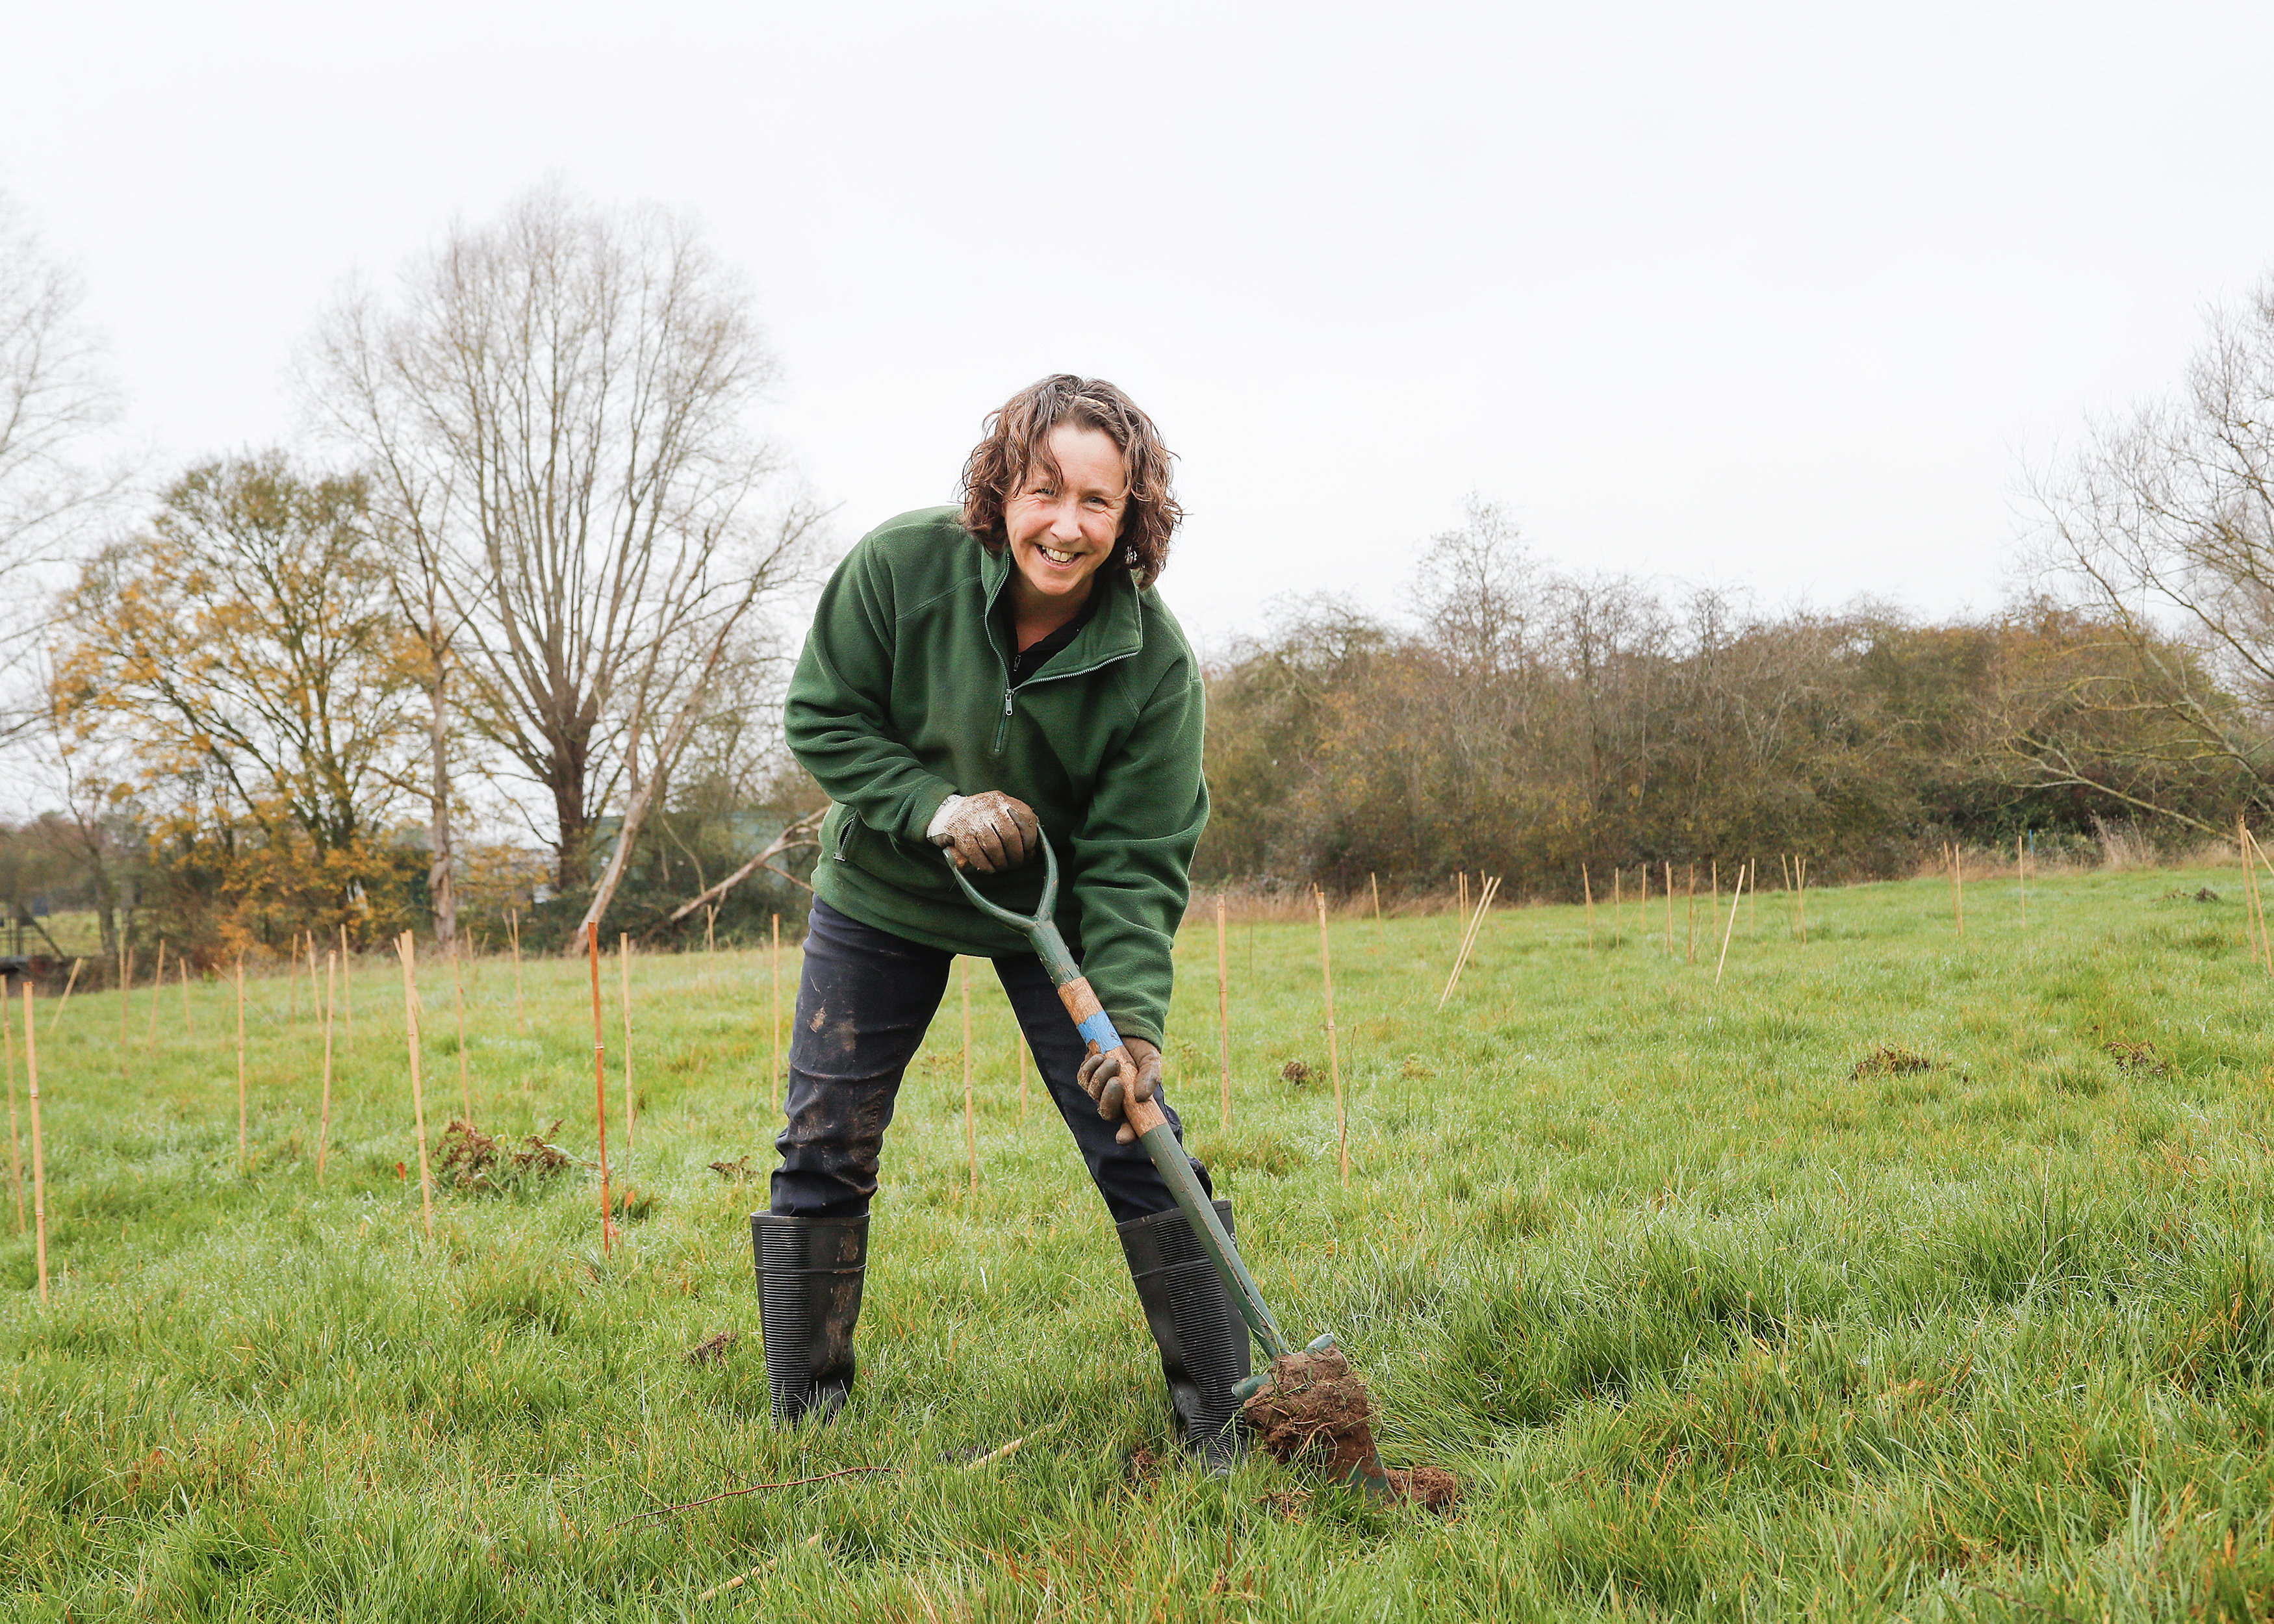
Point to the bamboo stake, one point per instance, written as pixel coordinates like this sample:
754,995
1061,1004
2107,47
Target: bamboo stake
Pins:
1491,889
157,986
1957,901
39,1150
1334,1052
774,1070
1483,912
599,1085
624,965
1800,892
1460,957
347,988
1463,876
407,951
458,994
2022,878
77,965
2250,897
125,988
2254,914
181,969
1690,955
2251,932
1669,910
1734,896
2258,891
1587,886
1714,870
970,1119
1618,904
324,1115
244,1155
1224,1000
513,923
2254,905
15,1140
1373,885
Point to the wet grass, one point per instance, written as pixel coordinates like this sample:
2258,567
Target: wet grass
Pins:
1895,1277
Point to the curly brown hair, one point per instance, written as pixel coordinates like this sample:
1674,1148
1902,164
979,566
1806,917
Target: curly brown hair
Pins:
1017,441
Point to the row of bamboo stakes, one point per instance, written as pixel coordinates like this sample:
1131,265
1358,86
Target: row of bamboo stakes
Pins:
336,993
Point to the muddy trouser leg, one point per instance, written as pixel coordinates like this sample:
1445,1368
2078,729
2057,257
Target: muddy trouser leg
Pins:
1203,1340
863,1004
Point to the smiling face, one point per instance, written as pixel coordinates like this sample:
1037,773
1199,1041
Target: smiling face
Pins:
1062,526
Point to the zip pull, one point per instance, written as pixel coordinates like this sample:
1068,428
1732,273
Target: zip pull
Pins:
1006,702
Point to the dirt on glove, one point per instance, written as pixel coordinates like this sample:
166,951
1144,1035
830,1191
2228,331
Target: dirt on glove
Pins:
1314,1407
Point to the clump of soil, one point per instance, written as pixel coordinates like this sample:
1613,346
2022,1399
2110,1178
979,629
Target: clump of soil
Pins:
1141,1467
738,1171
473,1159
2140,1058
1296,1072
713,1348
1432,1488
1891,1060
1314,1406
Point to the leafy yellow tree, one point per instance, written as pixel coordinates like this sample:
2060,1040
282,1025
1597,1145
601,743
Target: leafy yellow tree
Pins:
242,652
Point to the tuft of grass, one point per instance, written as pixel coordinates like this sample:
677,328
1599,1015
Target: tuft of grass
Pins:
1891,1060
1711,1320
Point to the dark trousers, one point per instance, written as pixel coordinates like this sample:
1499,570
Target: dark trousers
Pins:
863,1004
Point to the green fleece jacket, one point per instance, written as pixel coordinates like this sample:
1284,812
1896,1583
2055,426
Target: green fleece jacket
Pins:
902,698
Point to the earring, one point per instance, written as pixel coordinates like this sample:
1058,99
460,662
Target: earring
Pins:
1130,558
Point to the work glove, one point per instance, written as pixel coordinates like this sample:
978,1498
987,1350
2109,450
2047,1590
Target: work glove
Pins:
1115,1076
991,832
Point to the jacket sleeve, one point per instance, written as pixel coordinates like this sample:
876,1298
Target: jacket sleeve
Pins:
837,715
1135,855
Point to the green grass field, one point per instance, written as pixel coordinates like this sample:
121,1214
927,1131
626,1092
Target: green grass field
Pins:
1708,1325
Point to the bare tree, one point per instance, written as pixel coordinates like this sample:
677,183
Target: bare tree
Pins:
2161,526
56,400
555,405
417,583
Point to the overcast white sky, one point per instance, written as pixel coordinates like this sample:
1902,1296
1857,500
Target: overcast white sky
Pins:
1759,294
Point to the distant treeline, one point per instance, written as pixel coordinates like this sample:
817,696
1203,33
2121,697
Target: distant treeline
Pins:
1524,722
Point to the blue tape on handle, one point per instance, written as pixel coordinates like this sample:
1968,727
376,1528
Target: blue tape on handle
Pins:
1098,1029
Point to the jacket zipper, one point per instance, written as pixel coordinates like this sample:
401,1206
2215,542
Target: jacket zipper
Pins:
1002,722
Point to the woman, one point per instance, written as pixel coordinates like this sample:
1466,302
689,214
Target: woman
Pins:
975,679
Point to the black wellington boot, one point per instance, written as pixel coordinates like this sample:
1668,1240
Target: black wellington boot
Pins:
1204,1339
809,1272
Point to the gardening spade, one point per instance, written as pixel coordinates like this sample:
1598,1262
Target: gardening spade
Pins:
1160,1141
